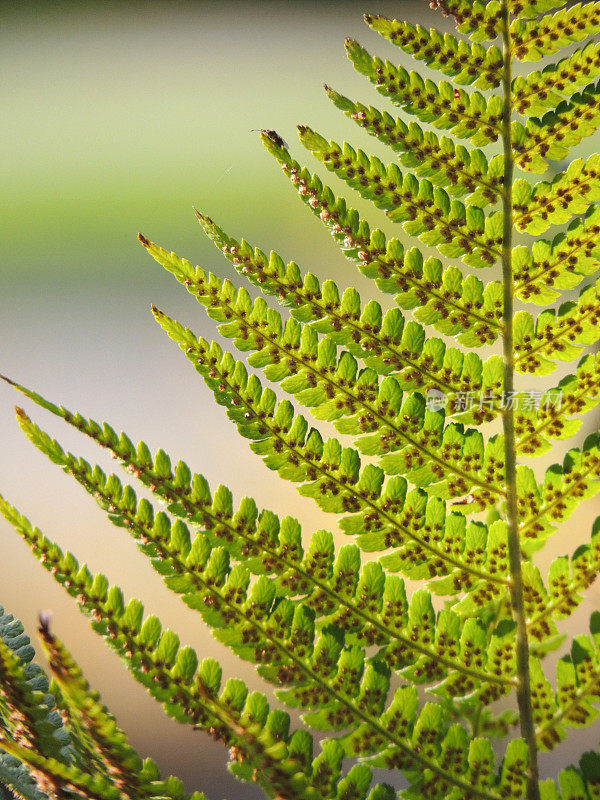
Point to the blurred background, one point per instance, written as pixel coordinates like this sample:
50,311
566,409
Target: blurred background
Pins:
119,116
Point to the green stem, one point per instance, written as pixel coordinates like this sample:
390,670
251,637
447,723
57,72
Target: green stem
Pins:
514,550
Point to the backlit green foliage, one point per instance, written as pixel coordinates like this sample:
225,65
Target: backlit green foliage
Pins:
428,473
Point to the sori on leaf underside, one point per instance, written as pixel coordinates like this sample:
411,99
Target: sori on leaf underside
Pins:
429,474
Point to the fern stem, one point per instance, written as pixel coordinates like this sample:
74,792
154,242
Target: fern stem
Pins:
510,458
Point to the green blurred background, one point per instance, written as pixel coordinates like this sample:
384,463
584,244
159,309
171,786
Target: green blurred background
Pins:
119,117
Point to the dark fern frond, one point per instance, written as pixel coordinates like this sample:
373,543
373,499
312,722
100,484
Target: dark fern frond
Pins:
73,747
34,722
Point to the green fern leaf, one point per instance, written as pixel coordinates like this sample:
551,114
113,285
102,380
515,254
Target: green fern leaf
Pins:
555,203
479,20
465,115
310,368
577,690
447,301
560,411
556,335
280,437
560,264
539,38
552,137
458,170
539,91
467,64
169,673
425,212
336,631
200,571
563,488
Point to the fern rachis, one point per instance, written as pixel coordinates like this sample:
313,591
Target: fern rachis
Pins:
425,486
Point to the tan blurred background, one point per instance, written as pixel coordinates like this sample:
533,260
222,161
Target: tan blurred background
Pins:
119,117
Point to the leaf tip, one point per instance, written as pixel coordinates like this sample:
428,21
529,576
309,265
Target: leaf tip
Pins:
273,136
143,240
203,218
44,620
21,415
8,380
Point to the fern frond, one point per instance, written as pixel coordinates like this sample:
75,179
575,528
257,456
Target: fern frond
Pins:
479,20
104,743
400,518
426,212
319,377
567,578
575,782
86,755
458,170
524,9
570,192
560,264
58,777
466,115
552,137
577,690
187,690
563,488
448,302
368,606
536,39
556,335
27,709
458,460
189,693
560,411
467,64
28,713
535,93
14,774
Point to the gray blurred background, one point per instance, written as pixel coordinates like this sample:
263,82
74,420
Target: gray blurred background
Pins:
119,117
